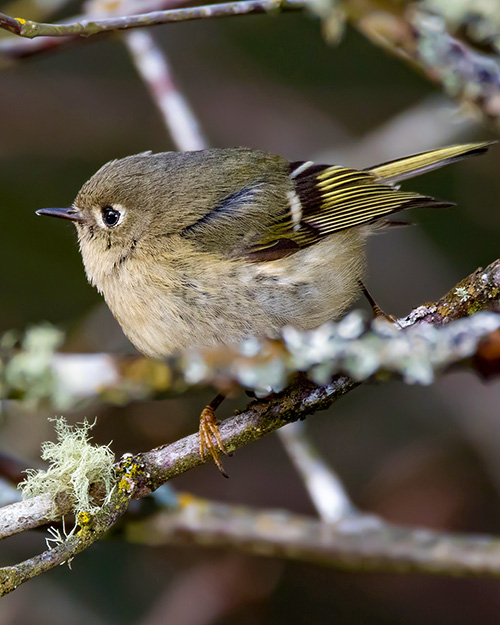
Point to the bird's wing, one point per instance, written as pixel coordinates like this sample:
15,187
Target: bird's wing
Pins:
326,199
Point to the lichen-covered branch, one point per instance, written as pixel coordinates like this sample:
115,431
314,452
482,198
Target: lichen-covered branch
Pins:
87,28
359,542
139,475
478,291
419,33
153,468
301,399
91,528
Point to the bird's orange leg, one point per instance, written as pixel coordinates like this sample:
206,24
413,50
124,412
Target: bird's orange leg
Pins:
377,311
210,440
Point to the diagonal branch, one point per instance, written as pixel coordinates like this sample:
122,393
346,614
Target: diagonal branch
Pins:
323,485
87,28
154,68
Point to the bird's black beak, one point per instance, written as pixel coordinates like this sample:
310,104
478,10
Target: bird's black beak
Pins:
73,214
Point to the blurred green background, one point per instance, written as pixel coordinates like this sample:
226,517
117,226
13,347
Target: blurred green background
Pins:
420,456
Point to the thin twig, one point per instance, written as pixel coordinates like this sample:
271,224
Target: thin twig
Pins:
323,485
152,65
11,24
87,28
14,49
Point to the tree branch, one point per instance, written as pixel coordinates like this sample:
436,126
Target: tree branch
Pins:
92,527
87,28
31,513
154,68
322,483
359,542
406,30
14,49
139,475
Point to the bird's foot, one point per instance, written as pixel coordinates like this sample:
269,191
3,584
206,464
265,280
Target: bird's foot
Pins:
210,439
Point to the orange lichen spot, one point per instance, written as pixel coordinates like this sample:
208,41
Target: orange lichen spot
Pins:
20,20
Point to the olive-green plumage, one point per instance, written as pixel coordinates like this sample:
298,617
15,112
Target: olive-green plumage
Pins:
200,248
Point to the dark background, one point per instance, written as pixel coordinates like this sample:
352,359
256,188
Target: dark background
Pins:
420,456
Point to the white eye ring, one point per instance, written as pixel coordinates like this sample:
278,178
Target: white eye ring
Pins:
111,215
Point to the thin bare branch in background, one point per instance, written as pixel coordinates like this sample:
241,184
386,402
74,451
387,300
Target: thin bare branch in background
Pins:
323,485
361,542
153,66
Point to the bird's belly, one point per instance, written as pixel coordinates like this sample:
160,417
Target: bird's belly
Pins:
236,301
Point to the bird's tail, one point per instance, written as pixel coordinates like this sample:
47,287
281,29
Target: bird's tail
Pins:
400,169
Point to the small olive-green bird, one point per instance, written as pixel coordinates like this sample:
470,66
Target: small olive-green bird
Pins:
196,249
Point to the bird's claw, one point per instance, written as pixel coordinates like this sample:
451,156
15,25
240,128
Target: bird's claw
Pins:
210,439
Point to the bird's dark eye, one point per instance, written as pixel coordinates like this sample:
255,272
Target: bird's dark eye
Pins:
110,216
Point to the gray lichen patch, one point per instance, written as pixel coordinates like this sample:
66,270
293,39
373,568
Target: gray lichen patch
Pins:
75,464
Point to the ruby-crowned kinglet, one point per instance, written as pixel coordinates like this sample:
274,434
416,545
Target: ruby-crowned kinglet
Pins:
195,249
